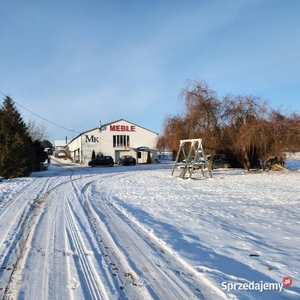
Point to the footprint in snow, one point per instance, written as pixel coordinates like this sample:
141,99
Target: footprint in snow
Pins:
74,284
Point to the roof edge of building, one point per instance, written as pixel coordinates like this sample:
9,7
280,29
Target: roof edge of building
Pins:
106,124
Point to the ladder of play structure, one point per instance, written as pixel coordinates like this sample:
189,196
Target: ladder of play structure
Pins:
194,159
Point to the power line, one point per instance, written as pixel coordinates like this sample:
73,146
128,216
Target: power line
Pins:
48,120
41,116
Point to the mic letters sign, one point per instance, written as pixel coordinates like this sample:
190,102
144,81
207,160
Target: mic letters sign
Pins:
92,139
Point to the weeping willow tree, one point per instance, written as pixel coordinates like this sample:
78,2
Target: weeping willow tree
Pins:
244,127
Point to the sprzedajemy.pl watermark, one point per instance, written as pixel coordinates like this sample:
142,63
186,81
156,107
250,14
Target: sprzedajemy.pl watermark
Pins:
260,286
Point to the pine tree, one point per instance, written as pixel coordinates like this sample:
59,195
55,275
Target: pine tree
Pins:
148,158
93,155
40,155
16,147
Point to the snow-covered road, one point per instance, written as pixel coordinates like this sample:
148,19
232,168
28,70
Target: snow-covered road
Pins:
74,232
63,239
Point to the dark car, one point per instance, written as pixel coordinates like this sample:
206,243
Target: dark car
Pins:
199,163
220,161
127,160
102,161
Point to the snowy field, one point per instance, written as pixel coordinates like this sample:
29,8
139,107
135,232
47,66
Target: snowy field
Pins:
74,232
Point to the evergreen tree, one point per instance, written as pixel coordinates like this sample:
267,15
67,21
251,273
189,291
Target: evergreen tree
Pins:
148,158
93,155
48,145
40,155
16,147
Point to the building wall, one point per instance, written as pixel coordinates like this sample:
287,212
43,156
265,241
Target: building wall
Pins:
60,148
114,139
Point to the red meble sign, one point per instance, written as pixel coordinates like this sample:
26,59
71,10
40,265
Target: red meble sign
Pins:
122,128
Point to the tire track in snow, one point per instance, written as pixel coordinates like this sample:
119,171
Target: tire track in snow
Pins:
160,260
21,213
24,248
123,286
129,247
22,230
15,222
95,287
46,246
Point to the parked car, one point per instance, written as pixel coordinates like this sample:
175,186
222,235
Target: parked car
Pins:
127,160
220,161
200,162
102,161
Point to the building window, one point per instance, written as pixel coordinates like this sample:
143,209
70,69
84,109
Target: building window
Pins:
121,141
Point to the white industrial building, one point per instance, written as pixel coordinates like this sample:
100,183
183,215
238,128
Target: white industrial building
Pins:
115,139
60,148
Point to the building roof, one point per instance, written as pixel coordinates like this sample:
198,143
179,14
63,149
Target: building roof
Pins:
128,122
104,125
60,143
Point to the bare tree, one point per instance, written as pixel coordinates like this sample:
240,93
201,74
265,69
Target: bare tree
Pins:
37,132
242,126
202,112
202,106
175,129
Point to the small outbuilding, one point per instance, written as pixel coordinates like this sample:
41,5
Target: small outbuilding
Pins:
60,148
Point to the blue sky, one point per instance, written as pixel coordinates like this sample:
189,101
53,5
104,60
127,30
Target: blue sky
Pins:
77,62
